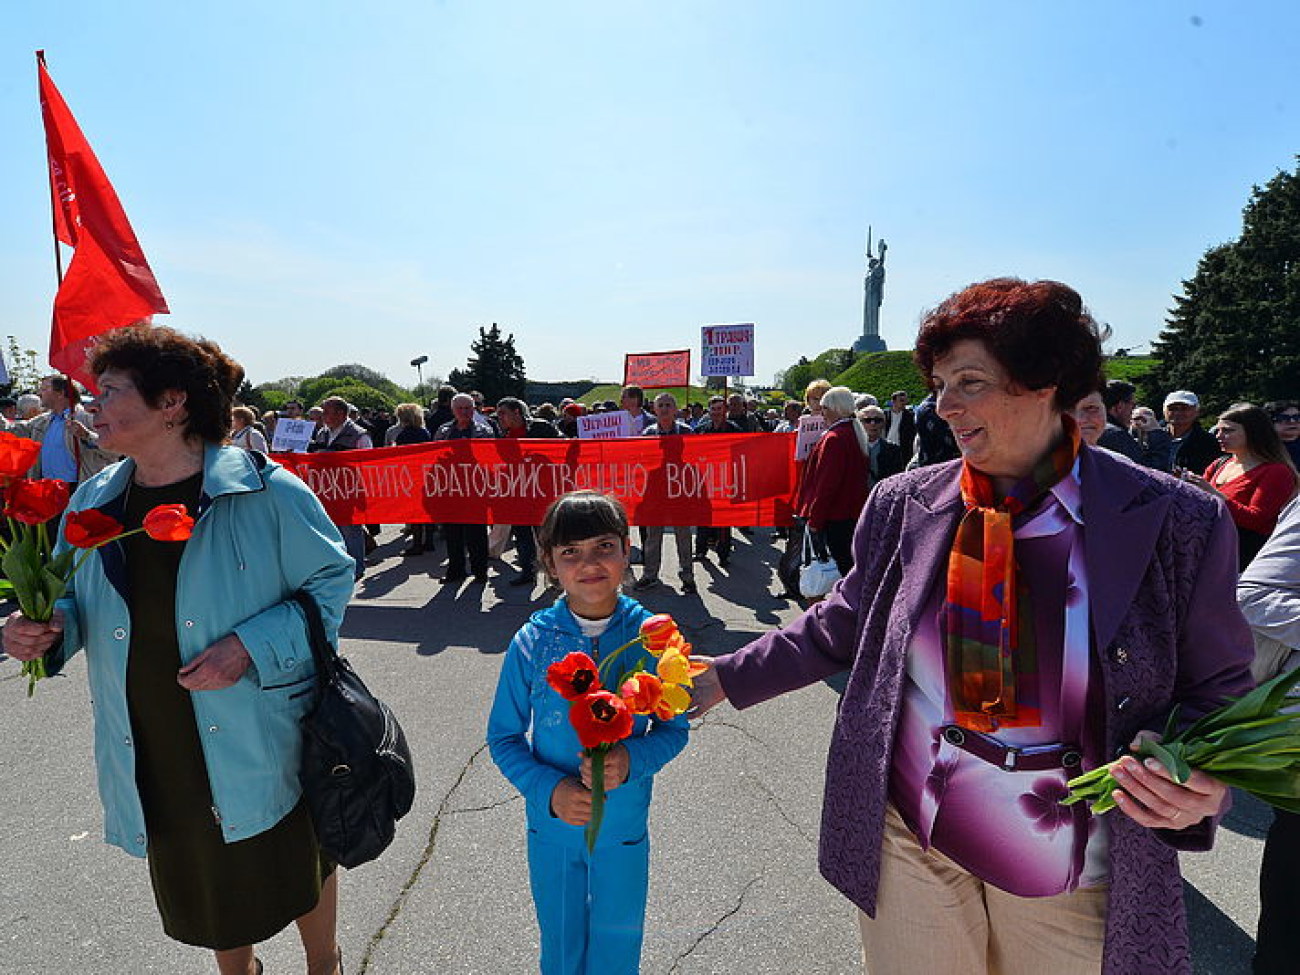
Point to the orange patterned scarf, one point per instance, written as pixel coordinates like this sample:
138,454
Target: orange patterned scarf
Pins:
991,664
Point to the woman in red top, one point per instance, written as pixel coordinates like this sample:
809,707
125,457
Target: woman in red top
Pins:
1256,479
835,480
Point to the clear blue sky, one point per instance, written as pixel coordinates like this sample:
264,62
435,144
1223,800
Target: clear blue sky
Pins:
319,182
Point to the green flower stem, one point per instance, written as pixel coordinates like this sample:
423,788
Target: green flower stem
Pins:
597,792
602,668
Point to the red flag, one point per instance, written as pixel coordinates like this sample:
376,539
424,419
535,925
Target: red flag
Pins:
108,284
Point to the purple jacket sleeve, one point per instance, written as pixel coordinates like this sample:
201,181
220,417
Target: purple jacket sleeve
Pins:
819,643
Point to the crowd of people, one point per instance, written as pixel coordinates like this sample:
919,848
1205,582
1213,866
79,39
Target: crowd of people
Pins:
1023,486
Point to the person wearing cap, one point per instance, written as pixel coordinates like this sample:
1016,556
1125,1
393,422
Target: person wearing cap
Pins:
1193,447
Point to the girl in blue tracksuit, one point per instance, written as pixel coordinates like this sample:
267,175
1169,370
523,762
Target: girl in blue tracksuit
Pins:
590,907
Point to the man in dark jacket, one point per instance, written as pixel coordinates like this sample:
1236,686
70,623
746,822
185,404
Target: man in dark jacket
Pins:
462,538
900,424
339,432
1193,446
720,537
1120,399
513,416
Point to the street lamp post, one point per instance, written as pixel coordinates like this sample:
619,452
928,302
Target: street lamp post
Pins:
419,373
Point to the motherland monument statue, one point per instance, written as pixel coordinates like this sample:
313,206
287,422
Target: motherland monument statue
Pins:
873,295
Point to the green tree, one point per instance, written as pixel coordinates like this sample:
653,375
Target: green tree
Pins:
494,367
1234,332
367,377
360,395
828,365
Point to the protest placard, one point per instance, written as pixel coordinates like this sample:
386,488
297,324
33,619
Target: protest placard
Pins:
657,370
727,350
811,428
605,426
292,434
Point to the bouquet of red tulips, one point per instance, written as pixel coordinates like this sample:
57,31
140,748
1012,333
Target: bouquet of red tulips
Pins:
602,717
37,577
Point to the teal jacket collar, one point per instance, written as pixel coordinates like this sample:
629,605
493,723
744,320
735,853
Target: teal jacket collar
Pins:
225,471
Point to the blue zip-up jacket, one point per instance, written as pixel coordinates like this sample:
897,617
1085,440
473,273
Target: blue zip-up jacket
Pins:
260,534
536,763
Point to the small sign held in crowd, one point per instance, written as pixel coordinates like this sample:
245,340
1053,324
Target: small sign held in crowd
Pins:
292,435
811,428
605,426
727,350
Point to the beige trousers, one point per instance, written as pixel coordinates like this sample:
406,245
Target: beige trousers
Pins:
935,918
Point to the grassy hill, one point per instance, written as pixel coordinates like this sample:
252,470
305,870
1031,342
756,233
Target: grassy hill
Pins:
1130,368
880,373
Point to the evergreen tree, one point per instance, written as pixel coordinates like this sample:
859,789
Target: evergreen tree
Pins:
494,368
1234,332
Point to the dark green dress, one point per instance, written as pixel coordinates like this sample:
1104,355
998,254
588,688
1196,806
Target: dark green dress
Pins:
210,893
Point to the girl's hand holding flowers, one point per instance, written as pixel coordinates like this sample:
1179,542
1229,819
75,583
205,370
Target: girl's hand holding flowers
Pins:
617,765
571,802
602,718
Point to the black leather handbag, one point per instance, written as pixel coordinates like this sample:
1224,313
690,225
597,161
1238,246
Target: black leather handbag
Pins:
356,774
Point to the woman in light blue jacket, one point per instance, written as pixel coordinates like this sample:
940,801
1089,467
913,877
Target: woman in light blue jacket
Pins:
199,663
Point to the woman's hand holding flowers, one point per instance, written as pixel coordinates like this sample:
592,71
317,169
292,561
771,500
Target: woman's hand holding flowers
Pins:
26,639
617,765
706,692
217,667
1150,795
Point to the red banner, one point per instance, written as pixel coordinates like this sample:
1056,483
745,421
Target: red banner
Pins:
721,479
657,370
109,283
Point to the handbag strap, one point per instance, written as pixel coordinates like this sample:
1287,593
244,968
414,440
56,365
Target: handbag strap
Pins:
323,652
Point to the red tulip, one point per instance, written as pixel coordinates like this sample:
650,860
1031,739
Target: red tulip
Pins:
17,454
36,502
573,676
600,718
168,523
89,528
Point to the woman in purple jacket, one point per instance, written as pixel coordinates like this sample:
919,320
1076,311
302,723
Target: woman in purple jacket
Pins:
1012,619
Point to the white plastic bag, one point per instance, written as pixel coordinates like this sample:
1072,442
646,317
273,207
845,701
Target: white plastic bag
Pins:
817,576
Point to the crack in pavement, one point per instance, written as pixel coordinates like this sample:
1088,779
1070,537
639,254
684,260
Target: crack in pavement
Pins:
730,912
709,719
425,856
772,797
491,805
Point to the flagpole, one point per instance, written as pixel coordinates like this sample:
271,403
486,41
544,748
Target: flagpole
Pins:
54,220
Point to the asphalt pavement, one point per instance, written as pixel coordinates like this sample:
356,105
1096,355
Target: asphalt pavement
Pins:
734,883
